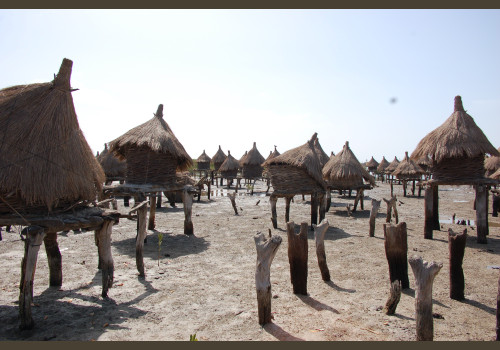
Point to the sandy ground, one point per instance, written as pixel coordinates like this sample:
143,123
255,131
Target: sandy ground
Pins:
205,284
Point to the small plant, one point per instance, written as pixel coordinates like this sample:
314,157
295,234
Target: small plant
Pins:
160,239
192,337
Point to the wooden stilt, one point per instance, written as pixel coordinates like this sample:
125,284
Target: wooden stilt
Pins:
392,189
126,201
274,216
328,199
187,199
424,277
158,200
104,250
495,200
395,296
498,309
396,251
232,198
404,188
373,216
391,205
319,238
297,257
429,212
481,213
152,212
456,245
266,251
362,198
322,206
356,200
54,259
288,199
142,214
34,238
435,208
209,185
314,209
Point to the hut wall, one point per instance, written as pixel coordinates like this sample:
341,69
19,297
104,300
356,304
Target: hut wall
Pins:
147,167
459,169
347,184
203,165
287,178
252,171
217,166
229,174
19,204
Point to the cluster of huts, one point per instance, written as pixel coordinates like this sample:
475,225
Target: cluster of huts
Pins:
50,180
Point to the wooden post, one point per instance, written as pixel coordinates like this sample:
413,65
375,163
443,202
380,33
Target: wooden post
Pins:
328,199
34,238
424,277
356,200
314,209
362,199
288,199
395,296
297,257
435,207
322,206
274,216
266,251
187,200
495,199
232,198
404,188
456,245
319,238
152,212
392,189
391,204
429,212
105,257
142,214
419,191
498,309
126,201
481,213
373,216
396,251
158,200
413,188
209,185
53,258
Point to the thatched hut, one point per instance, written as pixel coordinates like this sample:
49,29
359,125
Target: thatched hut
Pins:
372,165
203,162
323,157
240,161
153,153
381,167
218,159
251,164
408,170
229,168
456,149
297,171
492,164
114,168
273,154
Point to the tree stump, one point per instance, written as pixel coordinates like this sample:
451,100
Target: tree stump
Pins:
373,216
152,212
187,200
266,251
482,213
142,214
391,204
456,244
297,257
105,257
53,258
274,216
319,238
424,277
396,251
394,297
232,198
34,239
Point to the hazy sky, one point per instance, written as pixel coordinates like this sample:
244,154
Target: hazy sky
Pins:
232,77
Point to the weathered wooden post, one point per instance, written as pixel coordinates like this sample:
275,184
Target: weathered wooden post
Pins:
495,199
322,206
152,211
288,199
187,199
404,187
424,277
105,257
319,238
396,251
356,200
232,198
373,215
142,213
126,201
456,244
158,200
53,258
274,216
314,209
266,251
297,257
394,297
391,204
435,207
34,238
429,212
481,213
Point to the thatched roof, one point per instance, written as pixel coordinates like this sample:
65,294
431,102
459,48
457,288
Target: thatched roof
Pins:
156,135
44,157
496,175
230,163
253,157
392,166
304,157
491,164
458,136
240,161
383,165
273,154
372,163
344,168
408,168
219,157
111,165
203,158
323,157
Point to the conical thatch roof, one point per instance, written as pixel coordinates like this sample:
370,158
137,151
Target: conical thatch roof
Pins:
345,170
111,165
383,165
458,136
408,168
230,164
372,164
392,166
44,157
323,157
203,158
273,154
219,157
491,164
304,157
253,157
156,135
242,158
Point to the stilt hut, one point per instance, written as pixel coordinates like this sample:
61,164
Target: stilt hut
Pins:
218,159
297,171
240,162
203,162
456,150
272,154
345,172
492,164
229,169
114,168
409,171
372,165
381,168
390,169
323,157
252,164
48,179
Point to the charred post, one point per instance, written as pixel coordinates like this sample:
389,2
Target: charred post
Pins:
297,257
396,251
456,244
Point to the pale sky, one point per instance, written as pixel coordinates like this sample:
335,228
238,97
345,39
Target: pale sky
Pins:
234,77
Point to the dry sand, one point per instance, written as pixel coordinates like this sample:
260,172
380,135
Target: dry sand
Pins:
205,284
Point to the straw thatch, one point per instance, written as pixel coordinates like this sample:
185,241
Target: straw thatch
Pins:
492,164
372,164
203,161
458,137
240,162
112,166
392,166
344,171
252,163
229,168
495,175
218,158
382,166
273,154
323,157
297,170
408,169
152,151
45,161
